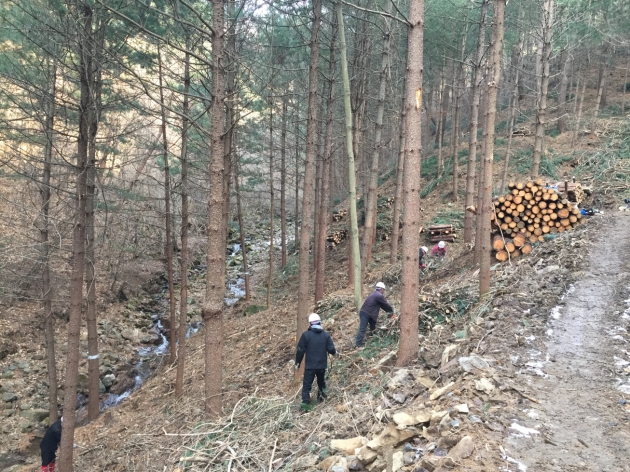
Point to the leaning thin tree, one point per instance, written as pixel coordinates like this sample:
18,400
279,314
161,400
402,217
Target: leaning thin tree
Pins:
352,197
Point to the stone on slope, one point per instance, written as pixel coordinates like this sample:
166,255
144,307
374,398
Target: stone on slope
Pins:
348,446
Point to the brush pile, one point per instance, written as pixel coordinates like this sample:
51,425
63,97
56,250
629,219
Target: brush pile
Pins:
526,214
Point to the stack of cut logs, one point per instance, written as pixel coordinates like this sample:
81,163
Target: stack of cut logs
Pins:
576,193
444,233
336,237
526,214
339,214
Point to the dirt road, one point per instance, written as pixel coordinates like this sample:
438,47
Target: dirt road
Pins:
581,376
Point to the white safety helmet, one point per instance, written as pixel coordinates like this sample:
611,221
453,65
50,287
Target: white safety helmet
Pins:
441,244
313,317
425,249
380,285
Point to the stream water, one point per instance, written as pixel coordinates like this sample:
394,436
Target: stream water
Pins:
149,358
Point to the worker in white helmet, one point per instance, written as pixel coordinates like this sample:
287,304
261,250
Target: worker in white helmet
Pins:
439,249
368,315
421,253
316,344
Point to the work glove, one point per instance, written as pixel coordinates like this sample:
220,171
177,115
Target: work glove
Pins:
297,366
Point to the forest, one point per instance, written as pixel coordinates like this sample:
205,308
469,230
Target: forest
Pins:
168,166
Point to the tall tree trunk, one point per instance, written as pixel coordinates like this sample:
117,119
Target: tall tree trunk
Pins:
327,157
183,262
283,182
474,121
90,276
598,104
309,175
408,351
439,134
369,235
493,89
296,215
47,295
241,230
85,53
229,66
482,163
352,195
576,133
167,219
212,309
393,255
271,205
541,114
458,87
518,62
625,86
562,97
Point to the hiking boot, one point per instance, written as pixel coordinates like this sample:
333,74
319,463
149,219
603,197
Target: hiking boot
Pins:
306,407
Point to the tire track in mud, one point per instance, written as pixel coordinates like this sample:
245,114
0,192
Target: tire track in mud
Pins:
582,422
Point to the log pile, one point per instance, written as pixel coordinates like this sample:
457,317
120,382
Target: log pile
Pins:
336,237
526,214
576,193
444,233
338,215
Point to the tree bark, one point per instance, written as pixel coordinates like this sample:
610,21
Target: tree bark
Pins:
518,62
625,85
482,163
458,87
47,295
85,53
167,219
241,231
369,235
90,275
327,156
541,114
393,255
562,98
576,133
354,227
283,183
271,205
474,121
408,351
296,215
493,89
309,174
212,309
183,262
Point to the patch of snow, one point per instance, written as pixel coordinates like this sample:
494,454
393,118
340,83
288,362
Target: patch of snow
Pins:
524,432
555,312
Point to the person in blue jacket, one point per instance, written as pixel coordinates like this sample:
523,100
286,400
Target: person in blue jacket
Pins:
368,315
316,344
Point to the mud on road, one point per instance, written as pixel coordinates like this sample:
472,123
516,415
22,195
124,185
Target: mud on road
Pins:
579,371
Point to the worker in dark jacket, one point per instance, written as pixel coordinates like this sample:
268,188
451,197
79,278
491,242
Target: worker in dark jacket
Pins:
316,344
49,445
369,312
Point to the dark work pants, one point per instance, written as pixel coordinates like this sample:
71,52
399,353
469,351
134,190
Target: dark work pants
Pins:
309,376
364,320
48,456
